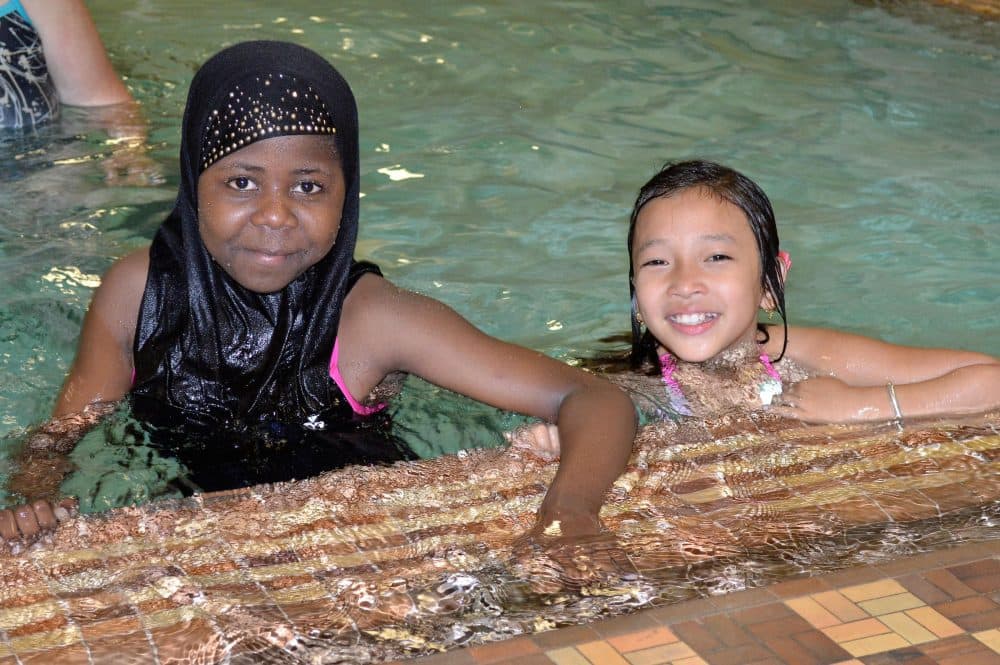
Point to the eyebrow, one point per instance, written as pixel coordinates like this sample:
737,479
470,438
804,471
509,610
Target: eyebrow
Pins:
710,237
256,168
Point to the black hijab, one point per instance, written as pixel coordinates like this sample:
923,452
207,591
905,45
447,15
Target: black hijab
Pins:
204,344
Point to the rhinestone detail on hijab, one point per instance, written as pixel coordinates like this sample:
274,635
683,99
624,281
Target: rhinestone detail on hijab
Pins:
274,105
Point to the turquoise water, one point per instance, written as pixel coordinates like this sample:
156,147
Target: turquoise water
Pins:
502,145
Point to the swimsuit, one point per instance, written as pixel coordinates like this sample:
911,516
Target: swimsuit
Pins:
28,96
222,453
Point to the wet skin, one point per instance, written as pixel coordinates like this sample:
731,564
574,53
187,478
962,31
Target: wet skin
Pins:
697,274
271,210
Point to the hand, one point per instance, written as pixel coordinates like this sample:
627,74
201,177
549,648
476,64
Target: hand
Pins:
572,552
825,399
26,522
570,548
129,165
541,439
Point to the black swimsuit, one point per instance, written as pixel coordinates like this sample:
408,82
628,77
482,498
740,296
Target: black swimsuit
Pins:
27,94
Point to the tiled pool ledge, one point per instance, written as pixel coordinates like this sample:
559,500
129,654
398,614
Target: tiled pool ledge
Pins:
942,607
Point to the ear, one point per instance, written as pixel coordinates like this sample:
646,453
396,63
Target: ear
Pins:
785,259
785,264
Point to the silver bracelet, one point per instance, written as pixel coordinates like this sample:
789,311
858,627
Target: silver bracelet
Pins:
895,403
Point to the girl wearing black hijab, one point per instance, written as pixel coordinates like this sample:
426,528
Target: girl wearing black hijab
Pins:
248,314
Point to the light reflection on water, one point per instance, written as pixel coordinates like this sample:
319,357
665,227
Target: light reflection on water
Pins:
874,130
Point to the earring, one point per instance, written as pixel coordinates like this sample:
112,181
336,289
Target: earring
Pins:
770,315
638,317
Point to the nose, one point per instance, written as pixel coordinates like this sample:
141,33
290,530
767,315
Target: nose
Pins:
274,210
687,279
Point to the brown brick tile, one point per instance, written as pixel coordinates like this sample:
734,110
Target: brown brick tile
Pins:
822,647
952,647
981,568
977,622
742,655
630,623
763,614
972,614
800,587
982,657
726,630
565,637
745,599
985,583
533,659
791,651
948,583
783,627
498,652
907,656
697,637
854,576
974,605
925,590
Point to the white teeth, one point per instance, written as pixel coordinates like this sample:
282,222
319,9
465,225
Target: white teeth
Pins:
692,319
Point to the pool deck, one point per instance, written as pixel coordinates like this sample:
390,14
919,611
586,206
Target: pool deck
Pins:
942,607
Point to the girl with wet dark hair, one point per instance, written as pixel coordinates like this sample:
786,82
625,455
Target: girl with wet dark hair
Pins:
704,262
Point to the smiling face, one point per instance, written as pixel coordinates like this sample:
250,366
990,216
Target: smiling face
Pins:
697,274
271,210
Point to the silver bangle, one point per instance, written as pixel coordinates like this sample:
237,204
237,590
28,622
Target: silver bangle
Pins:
895,403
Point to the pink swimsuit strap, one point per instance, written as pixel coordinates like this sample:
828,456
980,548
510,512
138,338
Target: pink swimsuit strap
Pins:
357,406
765,360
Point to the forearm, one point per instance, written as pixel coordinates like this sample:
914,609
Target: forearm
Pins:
969,389
44,458
596,431
74,53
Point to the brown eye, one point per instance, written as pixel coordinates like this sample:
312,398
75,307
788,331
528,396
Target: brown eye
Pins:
240,182
309,187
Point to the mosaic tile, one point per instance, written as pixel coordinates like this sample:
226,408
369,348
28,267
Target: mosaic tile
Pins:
906,627
876,644
601,653
643,639
990,638
934,621
567,656
666,653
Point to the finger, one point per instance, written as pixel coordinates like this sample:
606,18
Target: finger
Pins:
8,525
66,508
43,514
784,411
26,521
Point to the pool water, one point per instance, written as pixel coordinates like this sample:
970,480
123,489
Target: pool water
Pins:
502,146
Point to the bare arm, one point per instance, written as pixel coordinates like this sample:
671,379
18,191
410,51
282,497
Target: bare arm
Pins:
385,328
76,59
854,370
102,369
101,373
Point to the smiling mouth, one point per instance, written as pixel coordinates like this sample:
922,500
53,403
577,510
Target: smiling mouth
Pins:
693,319
270,257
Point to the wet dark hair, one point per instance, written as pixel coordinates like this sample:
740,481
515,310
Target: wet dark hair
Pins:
730,186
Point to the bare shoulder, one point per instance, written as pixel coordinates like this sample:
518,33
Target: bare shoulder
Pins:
375,303
119,296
